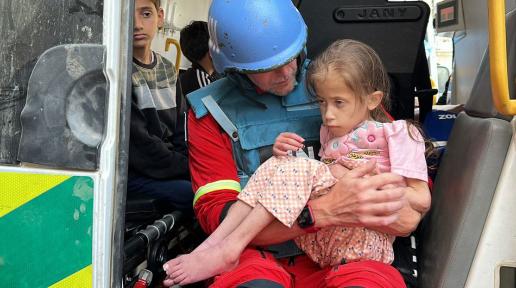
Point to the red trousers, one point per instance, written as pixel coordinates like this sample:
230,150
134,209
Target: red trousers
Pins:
261,269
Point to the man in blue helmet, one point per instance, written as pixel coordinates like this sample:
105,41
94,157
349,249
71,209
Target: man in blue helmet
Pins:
259,46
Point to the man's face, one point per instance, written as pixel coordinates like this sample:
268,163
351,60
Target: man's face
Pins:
279,81
147,19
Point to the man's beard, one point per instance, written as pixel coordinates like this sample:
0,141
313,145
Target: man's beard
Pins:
284,90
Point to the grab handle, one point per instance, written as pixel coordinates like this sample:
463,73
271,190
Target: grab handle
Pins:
498,58
178,50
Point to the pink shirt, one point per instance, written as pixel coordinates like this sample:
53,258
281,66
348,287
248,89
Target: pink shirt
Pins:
394,148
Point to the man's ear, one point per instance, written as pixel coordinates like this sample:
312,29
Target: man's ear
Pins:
374,99
161,18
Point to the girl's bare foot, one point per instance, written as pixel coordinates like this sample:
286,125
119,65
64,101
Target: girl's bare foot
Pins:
200,265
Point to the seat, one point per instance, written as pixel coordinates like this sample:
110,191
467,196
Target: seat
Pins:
403,54
466,182
373,22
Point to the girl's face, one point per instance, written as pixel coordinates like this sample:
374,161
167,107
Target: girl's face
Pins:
341,109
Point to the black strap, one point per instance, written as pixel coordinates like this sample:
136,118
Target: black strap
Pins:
260,283
442,100
422,83
284,250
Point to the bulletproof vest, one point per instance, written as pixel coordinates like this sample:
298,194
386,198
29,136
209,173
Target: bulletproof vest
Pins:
253,120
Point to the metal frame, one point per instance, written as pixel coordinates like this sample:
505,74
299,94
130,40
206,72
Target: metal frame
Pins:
109,205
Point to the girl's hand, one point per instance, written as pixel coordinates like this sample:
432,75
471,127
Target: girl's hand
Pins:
285,142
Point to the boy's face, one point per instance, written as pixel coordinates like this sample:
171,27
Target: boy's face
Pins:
147,19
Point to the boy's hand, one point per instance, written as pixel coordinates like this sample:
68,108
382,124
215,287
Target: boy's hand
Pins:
285,142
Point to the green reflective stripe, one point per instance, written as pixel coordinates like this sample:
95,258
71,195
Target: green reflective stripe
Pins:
215,186
48,238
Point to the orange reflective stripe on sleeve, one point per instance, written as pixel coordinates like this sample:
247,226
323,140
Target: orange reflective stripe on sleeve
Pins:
216,186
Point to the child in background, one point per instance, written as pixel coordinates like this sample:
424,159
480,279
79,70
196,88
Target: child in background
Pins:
351,86
194,39
158,161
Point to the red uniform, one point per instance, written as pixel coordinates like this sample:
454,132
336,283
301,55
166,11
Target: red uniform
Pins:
215,182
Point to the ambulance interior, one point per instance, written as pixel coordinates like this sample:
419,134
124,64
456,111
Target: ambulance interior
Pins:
462,241
438,58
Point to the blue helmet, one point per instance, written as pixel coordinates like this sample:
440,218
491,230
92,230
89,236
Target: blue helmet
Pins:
254,35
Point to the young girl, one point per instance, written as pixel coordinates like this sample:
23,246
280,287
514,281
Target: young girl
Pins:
351,86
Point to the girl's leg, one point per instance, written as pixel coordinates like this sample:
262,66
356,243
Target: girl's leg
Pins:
235,216
248,199
223,256
277,182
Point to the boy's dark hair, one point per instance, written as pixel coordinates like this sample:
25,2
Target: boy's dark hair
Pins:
156,3
193,40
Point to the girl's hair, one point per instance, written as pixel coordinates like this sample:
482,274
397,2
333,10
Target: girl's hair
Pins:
358,66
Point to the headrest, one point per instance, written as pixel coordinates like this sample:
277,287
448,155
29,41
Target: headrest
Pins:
371,22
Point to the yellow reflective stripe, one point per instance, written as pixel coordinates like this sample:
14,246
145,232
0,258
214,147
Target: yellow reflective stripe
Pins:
215,186
17,189
80,279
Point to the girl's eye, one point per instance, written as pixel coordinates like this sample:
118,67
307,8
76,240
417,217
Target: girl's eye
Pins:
320,101
339,103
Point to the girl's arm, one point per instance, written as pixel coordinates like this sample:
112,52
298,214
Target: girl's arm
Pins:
419,195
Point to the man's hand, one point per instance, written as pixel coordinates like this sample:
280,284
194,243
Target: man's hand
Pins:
338,170
285,142
361,201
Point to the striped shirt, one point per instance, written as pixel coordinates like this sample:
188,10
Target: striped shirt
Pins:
194,78
157,146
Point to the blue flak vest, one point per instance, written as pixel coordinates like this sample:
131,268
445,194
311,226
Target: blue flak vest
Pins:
254,120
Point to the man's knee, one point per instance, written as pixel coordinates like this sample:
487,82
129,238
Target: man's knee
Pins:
256,269
260,283
365,274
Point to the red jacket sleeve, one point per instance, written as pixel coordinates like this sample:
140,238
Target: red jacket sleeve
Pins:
213,170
